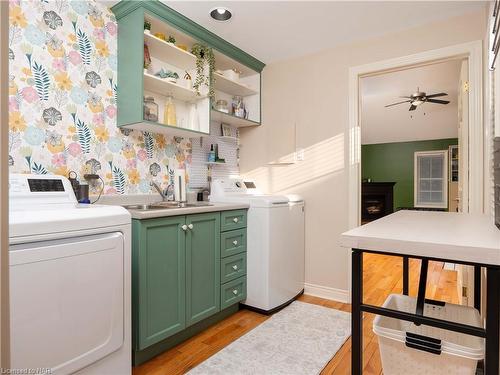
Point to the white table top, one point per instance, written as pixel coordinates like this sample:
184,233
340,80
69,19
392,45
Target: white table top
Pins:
442,235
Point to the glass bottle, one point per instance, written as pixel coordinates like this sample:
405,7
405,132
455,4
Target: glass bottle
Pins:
150,109
169,116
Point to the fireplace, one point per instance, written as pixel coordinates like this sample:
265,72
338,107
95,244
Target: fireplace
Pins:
377,200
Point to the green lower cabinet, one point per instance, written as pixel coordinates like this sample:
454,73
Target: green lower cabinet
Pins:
159,276
202,266
187,271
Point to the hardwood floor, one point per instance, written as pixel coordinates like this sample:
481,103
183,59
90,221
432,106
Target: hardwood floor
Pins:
382,276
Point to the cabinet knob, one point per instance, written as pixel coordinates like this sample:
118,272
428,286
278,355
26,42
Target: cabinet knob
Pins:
235,267
235,291
235,242
190,226
184,227
235,219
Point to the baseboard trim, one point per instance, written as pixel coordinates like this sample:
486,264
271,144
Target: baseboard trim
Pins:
339,295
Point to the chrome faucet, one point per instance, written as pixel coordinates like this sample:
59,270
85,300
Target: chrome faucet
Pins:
167,194
158,189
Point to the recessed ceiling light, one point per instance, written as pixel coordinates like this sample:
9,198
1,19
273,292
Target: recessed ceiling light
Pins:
221,14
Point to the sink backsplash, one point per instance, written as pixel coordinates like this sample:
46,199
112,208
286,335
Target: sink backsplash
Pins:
62,101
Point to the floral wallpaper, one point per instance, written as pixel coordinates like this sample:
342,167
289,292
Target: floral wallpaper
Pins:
62,100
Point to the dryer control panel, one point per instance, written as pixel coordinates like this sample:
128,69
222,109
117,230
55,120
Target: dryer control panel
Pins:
30,189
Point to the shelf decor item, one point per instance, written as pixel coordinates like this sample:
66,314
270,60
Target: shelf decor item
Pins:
150,109
147,57
168,75
147,26
238,107
221,105
169,116
226,130
171,39
232,74
161,36
188,80
204,57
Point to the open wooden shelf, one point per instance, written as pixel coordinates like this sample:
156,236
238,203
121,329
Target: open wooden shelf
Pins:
163,87
156,127
229,86
169,53
226,118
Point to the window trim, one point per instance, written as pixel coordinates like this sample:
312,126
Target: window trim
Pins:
417,154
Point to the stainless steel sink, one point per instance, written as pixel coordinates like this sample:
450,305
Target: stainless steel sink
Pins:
165,206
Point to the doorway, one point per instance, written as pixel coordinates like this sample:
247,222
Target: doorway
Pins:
471,131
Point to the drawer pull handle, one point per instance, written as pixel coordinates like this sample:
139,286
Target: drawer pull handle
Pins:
184,227
235,267
235,219
235,242
190,226
235,291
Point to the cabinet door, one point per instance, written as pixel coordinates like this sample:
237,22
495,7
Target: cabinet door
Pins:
159,282
202,266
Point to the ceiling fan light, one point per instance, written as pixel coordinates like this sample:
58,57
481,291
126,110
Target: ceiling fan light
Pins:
417,102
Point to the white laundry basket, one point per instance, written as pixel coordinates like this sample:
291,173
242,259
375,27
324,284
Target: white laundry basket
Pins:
454,353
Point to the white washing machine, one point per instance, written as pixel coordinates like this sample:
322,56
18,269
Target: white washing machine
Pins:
69,280
275,243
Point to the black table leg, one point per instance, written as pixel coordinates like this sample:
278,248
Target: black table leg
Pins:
477,288
491,361
406,276
357,314
422,284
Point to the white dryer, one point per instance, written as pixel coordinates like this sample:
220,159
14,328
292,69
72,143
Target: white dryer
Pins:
275,243
69,280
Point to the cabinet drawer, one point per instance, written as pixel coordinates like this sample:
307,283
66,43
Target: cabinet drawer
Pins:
233,242
233,267
233,292
235,219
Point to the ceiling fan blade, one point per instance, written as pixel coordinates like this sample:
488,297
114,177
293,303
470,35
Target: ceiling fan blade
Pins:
412,107
437,101
390,105
436,95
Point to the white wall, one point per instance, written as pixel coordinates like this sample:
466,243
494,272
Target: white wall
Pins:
312,92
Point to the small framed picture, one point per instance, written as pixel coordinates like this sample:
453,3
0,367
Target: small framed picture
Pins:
227,131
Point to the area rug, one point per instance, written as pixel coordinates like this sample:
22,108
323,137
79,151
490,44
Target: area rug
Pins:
299,340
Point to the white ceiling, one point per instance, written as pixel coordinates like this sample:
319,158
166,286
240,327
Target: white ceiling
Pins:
279,30
397,124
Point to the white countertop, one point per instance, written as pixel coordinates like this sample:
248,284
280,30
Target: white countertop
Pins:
149,214
443,235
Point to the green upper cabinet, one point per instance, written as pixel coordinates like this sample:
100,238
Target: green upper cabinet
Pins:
202,266
237,74
159,275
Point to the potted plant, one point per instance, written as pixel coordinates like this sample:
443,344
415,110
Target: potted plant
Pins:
147,26
171,39
204,58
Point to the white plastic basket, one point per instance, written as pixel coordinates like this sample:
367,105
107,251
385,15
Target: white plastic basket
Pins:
459,353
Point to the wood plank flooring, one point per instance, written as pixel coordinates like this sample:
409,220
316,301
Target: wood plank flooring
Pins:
382,276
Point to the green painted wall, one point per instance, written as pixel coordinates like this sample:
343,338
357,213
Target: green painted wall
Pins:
387,162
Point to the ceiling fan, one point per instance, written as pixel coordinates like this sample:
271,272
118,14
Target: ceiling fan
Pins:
419,98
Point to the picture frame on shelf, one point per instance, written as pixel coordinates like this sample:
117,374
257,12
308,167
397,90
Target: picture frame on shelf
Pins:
226,130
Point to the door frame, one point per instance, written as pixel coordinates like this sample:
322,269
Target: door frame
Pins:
4,188
473,184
